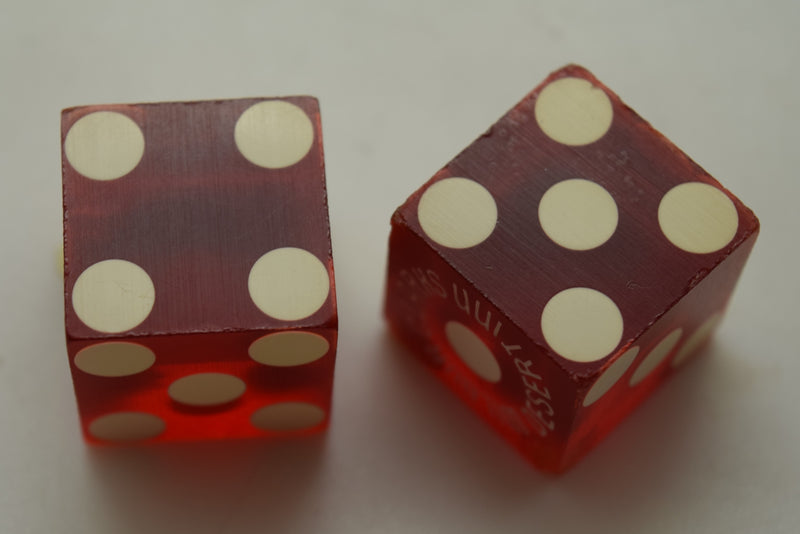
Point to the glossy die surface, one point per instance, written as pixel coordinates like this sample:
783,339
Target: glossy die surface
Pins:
562,266
199,290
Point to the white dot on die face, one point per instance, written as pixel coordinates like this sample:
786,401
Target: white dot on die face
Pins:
274,134
113,296
613,373
206,389
582,324
696,340
698,217
104,145
573,112
656,356
288,416
286,349
578,214
288,283
472,351
457,212
114,359
126,426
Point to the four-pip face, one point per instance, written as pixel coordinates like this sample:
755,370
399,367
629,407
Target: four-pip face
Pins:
199,286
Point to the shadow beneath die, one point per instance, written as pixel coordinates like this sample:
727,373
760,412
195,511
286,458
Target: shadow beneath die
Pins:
207,486
625,481
653,468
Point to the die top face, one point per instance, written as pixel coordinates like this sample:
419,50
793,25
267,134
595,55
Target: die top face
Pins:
578,220
195,217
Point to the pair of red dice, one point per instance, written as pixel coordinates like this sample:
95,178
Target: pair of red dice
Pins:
552,274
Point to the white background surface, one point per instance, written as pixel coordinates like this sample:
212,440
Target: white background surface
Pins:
403,87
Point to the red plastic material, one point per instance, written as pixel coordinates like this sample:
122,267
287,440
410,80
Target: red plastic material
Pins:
499,288
196,215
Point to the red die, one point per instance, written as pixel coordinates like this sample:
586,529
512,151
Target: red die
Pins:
198,275
562,266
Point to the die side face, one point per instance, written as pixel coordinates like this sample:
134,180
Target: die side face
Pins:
594,236
476,350
675,338
198,272
203,386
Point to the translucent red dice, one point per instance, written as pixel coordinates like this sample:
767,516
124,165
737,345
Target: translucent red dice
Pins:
199,288
563,266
